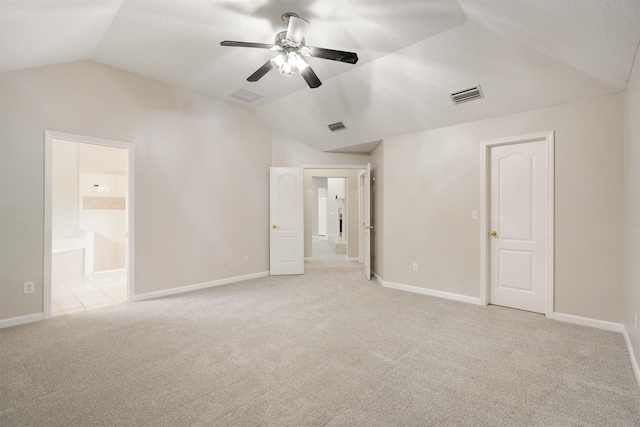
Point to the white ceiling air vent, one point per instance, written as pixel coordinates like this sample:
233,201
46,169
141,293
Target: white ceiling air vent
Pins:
334,127
246,95
466,95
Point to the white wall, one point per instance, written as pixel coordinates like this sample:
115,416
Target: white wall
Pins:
319,189
432,183
631,290
201,175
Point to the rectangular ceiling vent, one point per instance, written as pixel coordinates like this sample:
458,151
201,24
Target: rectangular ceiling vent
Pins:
246,95
334,127
466,95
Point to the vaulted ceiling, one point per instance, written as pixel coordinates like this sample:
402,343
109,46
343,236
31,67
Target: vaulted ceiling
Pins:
412,54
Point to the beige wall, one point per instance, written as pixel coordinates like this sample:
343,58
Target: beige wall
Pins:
201,175
631,290
290,153
351,201
432,183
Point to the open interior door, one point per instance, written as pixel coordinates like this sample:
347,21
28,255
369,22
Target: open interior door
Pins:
367,222
287,222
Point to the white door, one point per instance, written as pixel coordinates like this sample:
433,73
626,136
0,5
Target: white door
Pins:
519,225
366,223
287,228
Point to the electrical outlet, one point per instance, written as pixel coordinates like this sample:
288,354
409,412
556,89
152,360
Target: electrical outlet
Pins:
29,287
246,258
474,214
225,261
415,266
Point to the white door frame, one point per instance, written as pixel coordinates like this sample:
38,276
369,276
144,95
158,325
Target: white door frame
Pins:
485,183
49,136
361,218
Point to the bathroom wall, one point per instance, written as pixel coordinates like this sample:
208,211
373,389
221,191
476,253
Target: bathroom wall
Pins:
103,184
88,193
64,188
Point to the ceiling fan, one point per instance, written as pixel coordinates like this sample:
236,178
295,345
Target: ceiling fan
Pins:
292,49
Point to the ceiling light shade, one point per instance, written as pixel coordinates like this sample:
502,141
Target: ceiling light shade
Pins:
288,62
287,70
297,61
281,62
277,61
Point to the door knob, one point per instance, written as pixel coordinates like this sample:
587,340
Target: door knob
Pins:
368,227
274,226
493,233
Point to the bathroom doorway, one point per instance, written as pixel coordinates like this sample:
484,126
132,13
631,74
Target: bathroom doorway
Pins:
88,215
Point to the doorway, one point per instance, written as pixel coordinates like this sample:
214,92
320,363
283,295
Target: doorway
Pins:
517,230
330,226
294,216
88,223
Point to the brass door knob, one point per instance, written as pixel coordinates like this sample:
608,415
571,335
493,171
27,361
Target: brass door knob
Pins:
493,233
368,227
274,226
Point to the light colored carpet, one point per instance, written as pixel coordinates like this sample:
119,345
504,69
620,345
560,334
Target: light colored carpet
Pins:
324,349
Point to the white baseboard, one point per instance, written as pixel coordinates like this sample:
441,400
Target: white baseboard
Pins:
353,258
429,292
377,278
586,321
308,258
198,286
634,361
21,320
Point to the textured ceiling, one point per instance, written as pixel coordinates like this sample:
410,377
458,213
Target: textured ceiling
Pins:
525,54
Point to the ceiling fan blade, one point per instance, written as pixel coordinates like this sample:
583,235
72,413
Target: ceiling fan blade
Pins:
261,72
311,78
297,29
334,55
246,44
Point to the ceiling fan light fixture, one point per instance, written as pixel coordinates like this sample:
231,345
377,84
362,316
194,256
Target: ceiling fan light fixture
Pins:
292,49
277,61
297,61
288,62
281,63
287,70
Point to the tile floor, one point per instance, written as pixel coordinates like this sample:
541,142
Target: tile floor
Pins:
89,291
